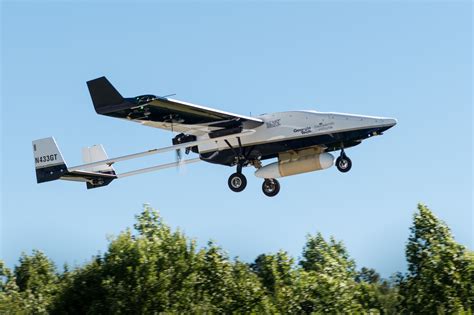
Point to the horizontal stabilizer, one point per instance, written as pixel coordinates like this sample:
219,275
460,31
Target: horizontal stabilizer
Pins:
92,179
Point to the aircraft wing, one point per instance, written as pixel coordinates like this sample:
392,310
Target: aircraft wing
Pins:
163,112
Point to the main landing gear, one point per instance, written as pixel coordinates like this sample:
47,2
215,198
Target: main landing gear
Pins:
343,163
270,187
237,181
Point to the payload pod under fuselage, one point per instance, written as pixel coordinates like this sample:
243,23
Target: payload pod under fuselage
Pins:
296,163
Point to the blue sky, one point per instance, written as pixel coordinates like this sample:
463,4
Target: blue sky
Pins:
412,61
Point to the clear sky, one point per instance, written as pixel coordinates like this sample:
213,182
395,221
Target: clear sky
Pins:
412,61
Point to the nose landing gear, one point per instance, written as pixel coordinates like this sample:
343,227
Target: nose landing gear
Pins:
343,163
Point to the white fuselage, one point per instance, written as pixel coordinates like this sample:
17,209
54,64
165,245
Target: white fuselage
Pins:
290,125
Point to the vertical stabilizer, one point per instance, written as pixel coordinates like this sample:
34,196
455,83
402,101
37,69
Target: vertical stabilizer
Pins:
49,162
104,95
93,154
96,153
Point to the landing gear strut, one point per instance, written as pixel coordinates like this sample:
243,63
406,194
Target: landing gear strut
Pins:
271,187
343,163
237,181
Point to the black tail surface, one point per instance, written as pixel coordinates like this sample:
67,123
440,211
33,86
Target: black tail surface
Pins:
104,96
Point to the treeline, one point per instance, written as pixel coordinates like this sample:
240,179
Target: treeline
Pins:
155,269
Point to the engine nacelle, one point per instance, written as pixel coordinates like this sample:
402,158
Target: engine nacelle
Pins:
296,164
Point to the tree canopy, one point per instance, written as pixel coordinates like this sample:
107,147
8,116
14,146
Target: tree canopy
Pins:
440,277
153,269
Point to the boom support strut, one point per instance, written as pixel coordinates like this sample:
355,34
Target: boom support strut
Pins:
156,151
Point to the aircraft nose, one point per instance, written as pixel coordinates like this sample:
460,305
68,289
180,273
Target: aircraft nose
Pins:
391,122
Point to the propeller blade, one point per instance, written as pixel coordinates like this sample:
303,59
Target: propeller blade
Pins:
178,155
179,159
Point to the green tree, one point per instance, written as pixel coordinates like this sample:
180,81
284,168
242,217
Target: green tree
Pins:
11,301
154,269
468,280
438,268
327,257
230,286
376,295
31,287
326,281
81,290
159,270
278,277
247,293
368,275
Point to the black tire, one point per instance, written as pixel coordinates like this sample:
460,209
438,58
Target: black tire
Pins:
237,182
270,187
343,164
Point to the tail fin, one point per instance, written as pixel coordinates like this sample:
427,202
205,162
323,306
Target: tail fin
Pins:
96,153
49,162
50,165
93,154
104,96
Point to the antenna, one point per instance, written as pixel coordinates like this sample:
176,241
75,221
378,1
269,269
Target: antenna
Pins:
165,96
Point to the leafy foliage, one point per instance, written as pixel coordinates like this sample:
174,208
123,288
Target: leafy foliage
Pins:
327,277
31,287
154,269
439,278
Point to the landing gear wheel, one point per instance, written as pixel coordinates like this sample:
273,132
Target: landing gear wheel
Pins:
237,182
343,163
271,187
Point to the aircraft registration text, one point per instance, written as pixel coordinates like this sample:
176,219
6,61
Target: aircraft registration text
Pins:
46,158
